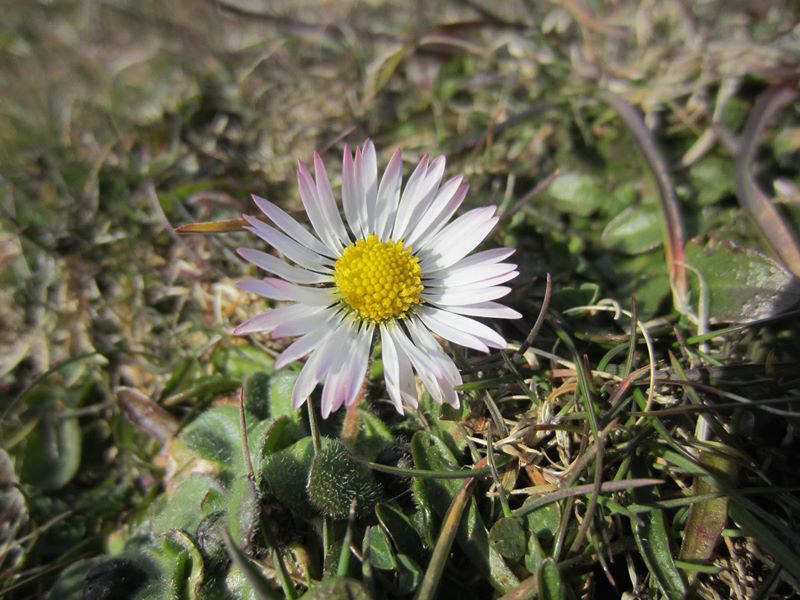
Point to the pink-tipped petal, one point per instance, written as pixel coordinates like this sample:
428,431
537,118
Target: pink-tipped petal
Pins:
367,169
351,195
276,266
316,368
297,253
315,210
457,239
471,296
435,216
397,372
481,276
330,212
266,322
484,257
416,204
409,198
490,310
389,196
291,227
301,347
278,289
310,320
461,330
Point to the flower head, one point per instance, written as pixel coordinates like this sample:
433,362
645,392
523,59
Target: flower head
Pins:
399,270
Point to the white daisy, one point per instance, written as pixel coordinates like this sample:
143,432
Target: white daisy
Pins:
398,269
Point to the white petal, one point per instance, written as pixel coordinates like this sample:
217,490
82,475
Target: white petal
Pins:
276,266
367,169
301,346
409,193
437,372
278,289
422,362
291,227
417,196
356,366
329,397
482,276
351,195
388,196
483,309
446,371
311,320
457,239
397,371
346,374
295,252
328,203
307,379
316,211
485,283
447,200
470,296
317,367
484,257
267,321
461,330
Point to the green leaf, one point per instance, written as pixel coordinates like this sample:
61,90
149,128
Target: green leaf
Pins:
72,580
400,530
742,284
635,230
256,396
243,511
337,588
184,506
508,538
643,275
409,574
550,584
706,519
235,586
430,453
164,566
765,537
261,586
241,360
568,297
543,522
336,479
277,435
379,549
52,453
280,395
284,474
372,437
380,70
215,436
578,194
712,180
651,538
196,575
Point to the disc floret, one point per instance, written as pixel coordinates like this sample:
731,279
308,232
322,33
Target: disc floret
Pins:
378,280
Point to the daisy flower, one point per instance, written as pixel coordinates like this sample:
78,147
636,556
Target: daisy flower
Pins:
398,270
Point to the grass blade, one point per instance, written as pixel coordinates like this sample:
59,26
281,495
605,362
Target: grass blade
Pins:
450,525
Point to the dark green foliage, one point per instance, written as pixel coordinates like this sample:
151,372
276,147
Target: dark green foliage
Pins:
336,479
285,475
113,579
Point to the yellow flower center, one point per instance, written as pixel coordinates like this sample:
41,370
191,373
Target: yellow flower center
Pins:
378,280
